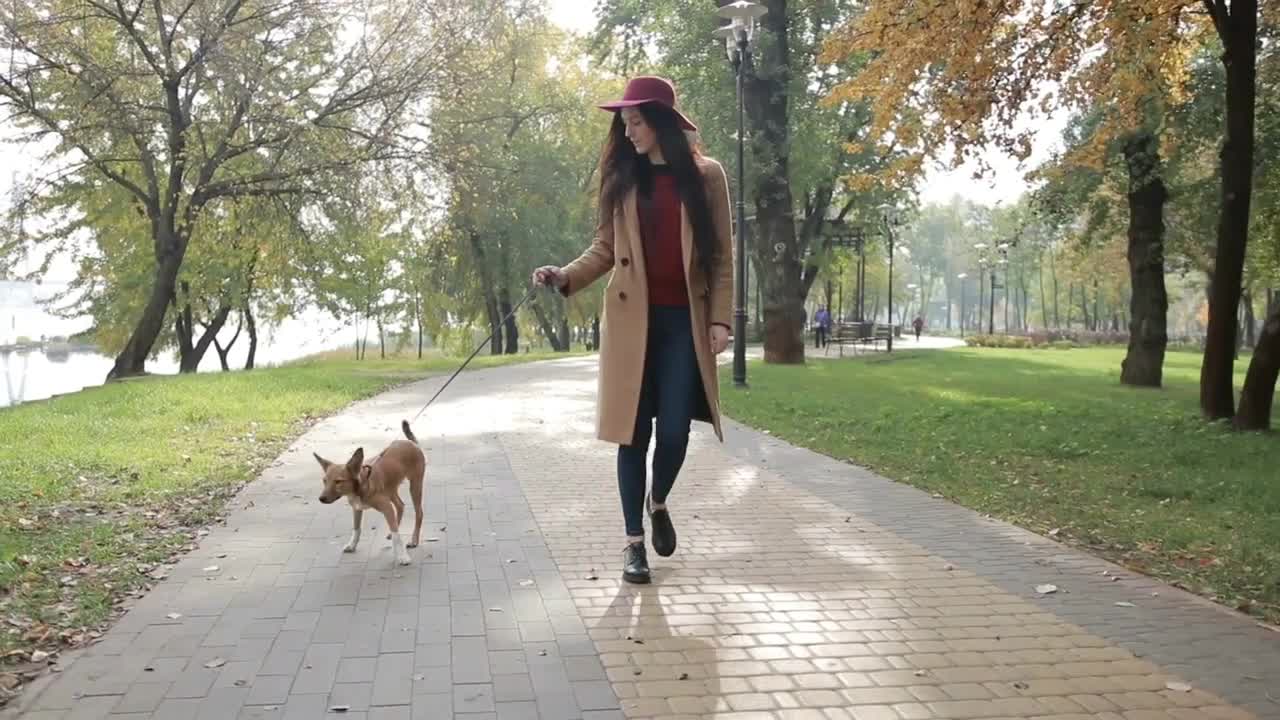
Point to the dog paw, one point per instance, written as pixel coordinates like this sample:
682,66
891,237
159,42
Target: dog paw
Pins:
411,545
349,548
404,559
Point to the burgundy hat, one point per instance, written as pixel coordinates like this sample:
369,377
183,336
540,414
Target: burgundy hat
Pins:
646,89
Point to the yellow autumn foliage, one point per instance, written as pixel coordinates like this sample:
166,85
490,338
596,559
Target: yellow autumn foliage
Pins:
975,69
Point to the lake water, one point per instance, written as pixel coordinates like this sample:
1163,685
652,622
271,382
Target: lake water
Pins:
38,375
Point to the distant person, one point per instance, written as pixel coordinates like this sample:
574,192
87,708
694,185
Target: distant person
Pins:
918,325
821,326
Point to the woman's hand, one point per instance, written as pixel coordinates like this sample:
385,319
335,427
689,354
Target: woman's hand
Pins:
719,338
550,275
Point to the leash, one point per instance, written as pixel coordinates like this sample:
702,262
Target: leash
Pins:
475,352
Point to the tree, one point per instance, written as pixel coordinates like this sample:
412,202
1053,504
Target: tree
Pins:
181,104
1116,57
1237,26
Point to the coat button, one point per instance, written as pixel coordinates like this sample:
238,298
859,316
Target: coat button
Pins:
622,295
625,262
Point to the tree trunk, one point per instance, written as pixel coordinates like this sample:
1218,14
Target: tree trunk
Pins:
949,291
766,84
595,332
1260,382
132,359
1250,322
510,329
190,354
1097,306
382,339
1148,302
1044,305
548,327
1238,30
1084,306
247,313
223,351
1053,274
784,315
490,298
417,320
182,328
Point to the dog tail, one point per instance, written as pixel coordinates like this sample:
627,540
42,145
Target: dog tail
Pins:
404,425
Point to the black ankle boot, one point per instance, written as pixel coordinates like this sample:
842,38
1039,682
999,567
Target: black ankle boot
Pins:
635,564
664,533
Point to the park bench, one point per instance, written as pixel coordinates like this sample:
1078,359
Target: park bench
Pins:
879,335
851,334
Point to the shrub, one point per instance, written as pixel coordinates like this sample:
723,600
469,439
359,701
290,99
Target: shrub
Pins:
1057,339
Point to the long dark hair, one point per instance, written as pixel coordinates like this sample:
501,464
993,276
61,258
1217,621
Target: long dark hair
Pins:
622,168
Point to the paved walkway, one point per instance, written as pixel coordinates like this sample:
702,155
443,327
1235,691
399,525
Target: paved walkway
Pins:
803,588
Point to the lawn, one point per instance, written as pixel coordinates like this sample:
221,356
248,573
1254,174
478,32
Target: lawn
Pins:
103,486
1049,440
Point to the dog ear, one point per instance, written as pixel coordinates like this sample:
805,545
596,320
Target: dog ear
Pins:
324,464
357,459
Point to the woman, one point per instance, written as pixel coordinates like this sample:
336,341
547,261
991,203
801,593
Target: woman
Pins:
664,230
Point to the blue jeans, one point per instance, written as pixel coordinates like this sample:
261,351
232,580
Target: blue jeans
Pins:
668,393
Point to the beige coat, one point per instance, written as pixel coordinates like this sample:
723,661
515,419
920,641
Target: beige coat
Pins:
624,327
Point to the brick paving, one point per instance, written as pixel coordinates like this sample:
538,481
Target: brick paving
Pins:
803,588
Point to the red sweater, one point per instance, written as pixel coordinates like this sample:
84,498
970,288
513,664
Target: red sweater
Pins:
660,232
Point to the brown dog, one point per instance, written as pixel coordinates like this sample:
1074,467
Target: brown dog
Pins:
376,486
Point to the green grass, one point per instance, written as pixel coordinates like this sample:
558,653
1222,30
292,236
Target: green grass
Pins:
1049,439
103,486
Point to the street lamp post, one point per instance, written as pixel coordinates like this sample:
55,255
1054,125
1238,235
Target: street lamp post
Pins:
983,263
1003,262
961,278
737,36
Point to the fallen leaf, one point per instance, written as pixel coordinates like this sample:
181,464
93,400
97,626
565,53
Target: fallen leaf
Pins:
174,616
1177,686
39,656
1054,532
339,708
1046,589
1123,603
1021,685
684,676
215,663
526,583
211,568
220,555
